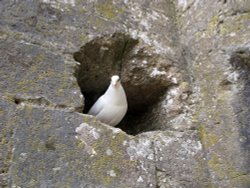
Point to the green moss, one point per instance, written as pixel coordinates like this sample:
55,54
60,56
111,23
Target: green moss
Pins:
116,162
83,38
225,170
86,118
199,34
201,173
116,144
207,139
8,98
178,20
234,25
39,58
212,25
3,35
202,134
80,145
214,164
227,26
26,84
242,180
109,10
83,10
230,27
101,166
29,110
18,36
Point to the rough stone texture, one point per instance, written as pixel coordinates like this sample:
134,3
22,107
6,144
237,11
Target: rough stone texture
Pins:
32,74
216,36
184,64
130,58
7,116
50,155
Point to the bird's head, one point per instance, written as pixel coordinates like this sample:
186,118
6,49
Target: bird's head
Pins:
115,80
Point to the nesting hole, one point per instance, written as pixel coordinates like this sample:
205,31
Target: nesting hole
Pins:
143,76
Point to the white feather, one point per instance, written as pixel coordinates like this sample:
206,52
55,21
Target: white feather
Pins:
112,106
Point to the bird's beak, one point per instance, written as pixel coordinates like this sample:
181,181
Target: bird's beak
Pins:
115,84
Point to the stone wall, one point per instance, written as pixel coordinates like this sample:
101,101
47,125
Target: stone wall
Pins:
184,65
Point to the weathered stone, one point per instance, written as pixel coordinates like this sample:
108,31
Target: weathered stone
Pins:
217,36
184,65
34,75
7,125
142,71
48,153
179,159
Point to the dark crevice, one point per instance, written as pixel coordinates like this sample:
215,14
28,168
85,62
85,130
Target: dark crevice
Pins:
120,54
17,101
100,59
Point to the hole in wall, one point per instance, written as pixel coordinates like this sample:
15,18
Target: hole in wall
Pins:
17,101
144,76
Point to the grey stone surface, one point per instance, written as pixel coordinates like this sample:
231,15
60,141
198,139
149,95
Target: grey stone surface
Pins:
7,116
216,37
35,75
46,152
184,65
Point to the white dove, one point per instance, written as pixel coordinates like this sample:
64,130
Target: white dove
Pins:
112,106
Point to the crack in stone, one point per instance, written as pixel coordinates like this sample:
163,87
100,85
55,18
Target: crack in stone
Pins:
40,101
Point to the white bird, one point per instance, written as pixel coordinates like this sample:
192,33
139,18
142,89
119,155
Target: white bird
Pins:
112,106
